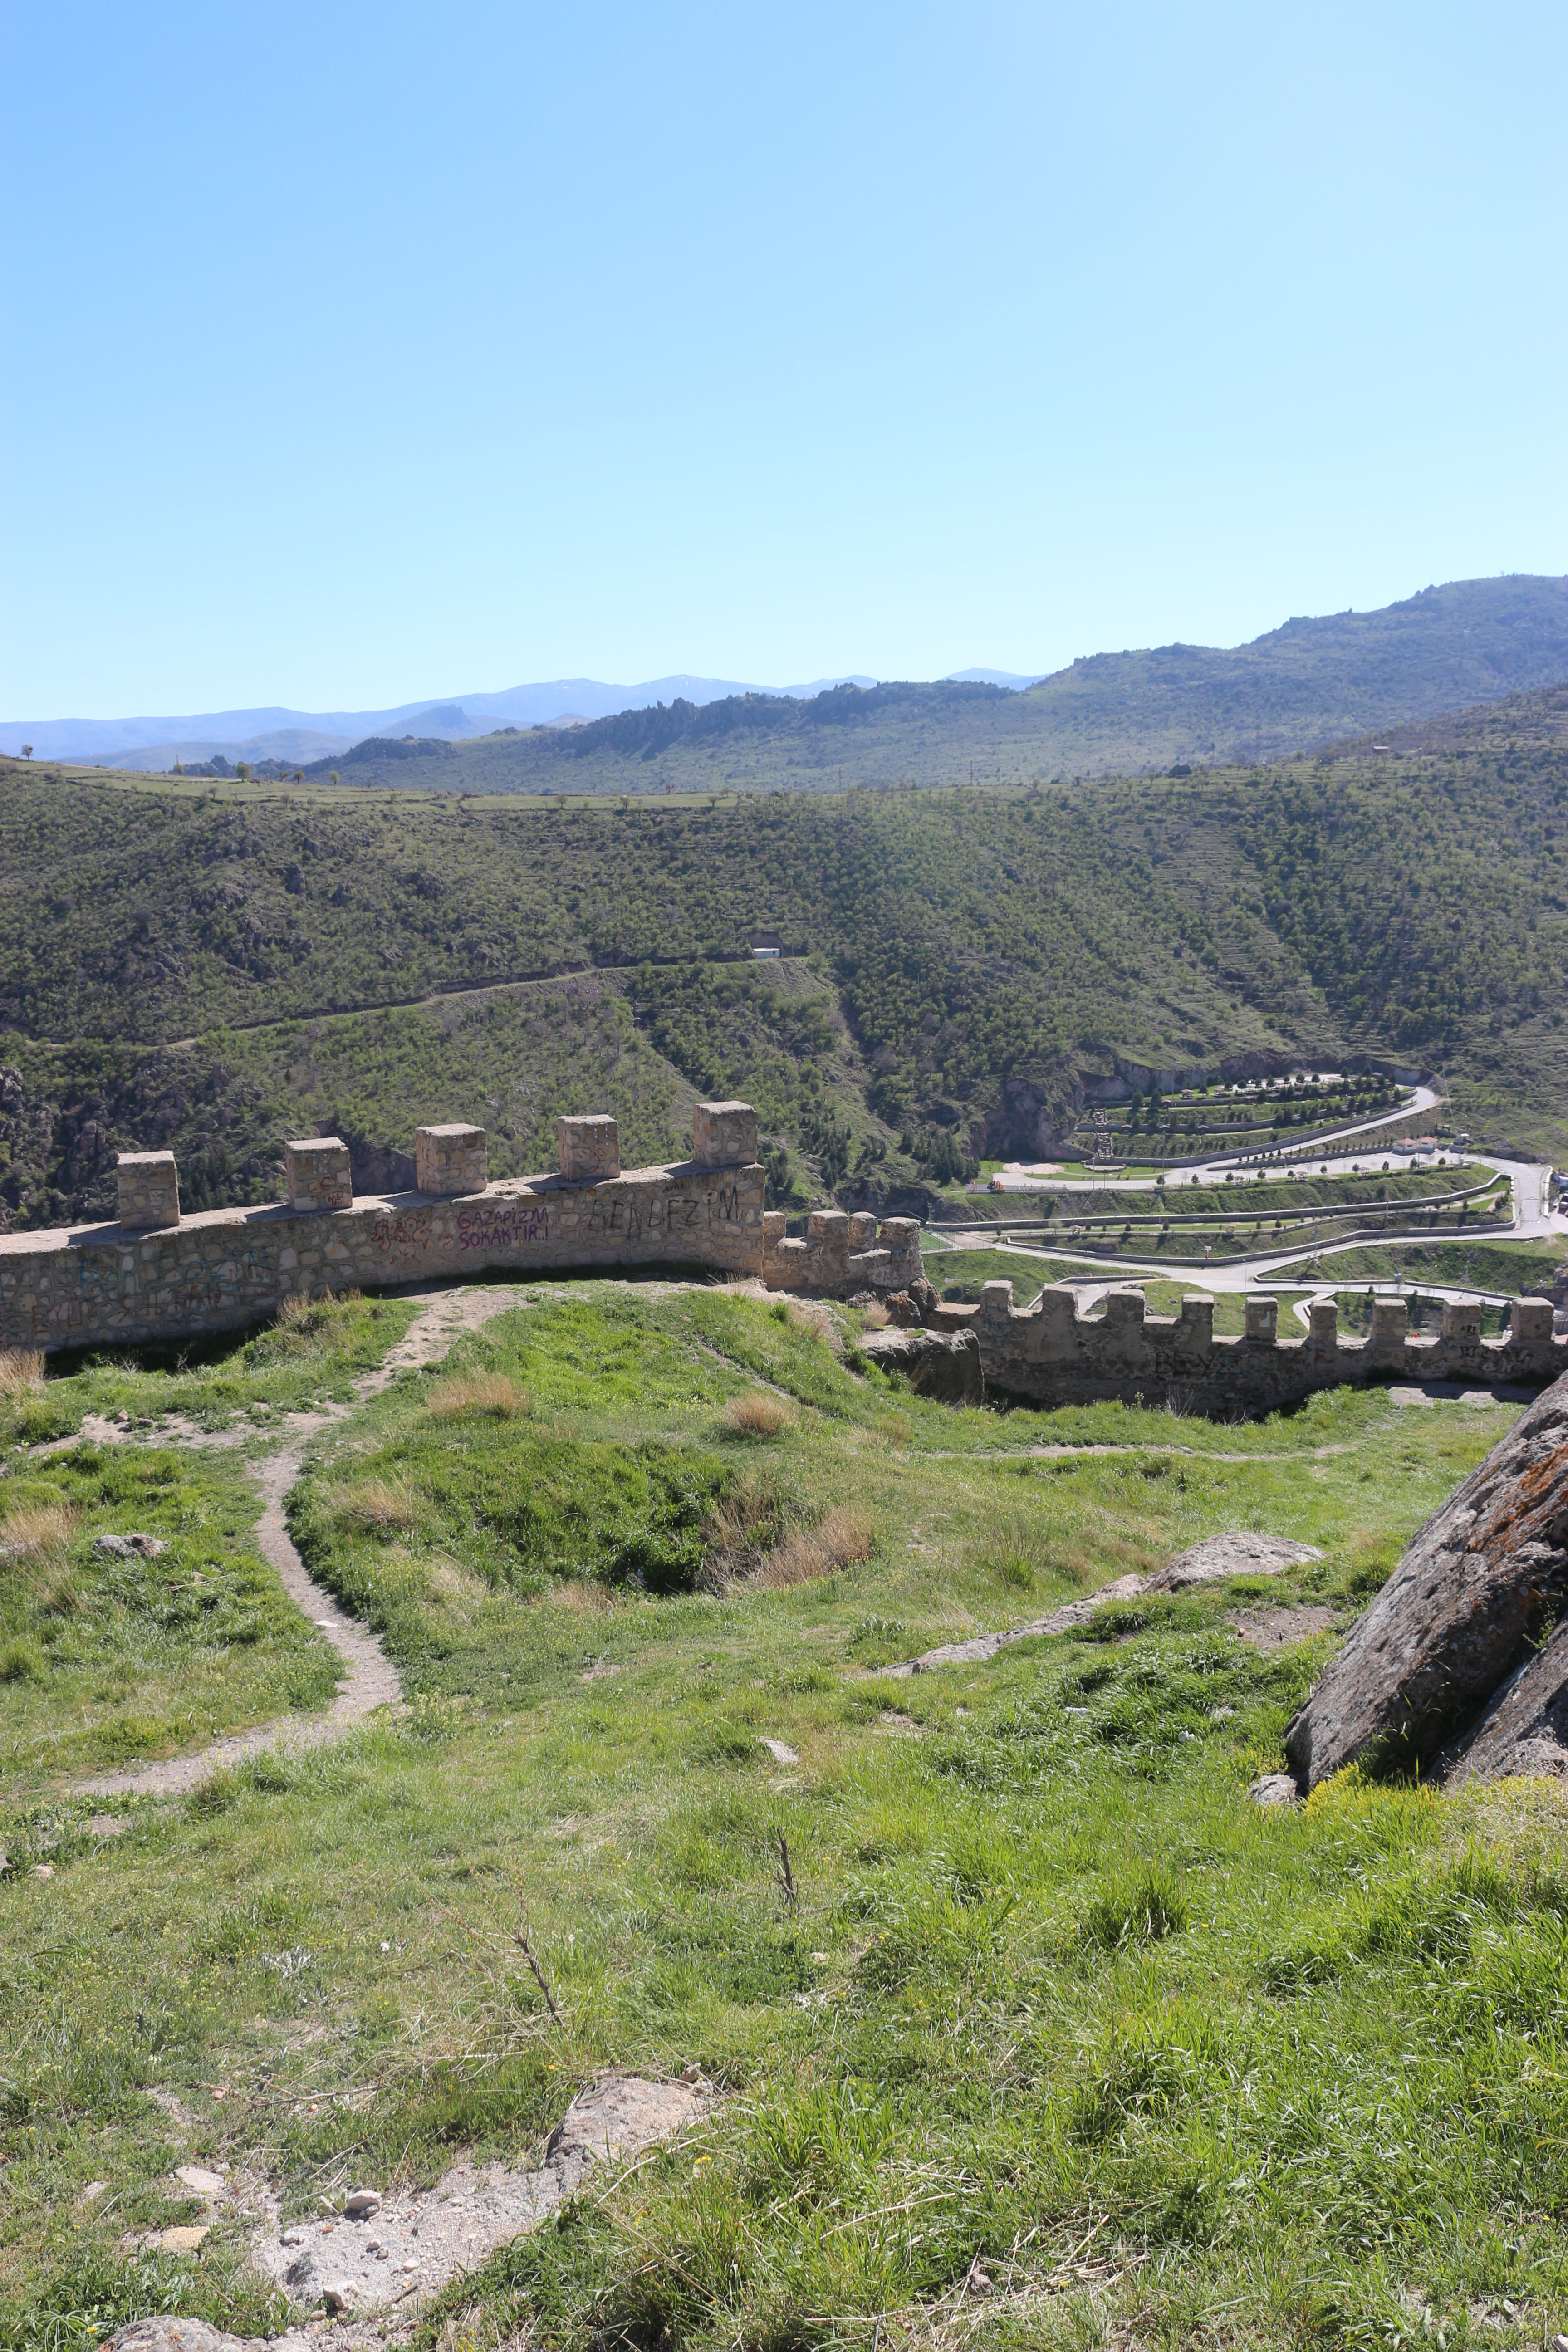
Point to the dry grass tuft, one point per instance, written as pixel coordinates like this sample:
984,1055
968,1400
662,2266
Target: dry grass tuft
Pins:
893,1428
20,1368
581,1594
496,1394
842,1540
38,1529
378,1507
877,1318
758,1414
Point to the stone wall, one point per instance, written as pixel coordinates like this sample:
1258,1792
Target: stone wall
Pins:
841,1255
1052,1355
163,1276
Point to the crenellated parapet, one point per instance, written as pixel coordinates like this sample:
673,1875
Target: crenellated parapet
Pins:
841,1255
154,1274
1053,1355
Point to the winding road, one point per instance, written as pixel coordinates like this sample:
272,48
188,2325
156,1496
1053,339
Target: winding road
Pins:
1337,1153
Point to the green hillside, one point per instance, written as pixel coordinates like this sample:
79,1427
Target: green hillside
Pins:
214,969
1306,684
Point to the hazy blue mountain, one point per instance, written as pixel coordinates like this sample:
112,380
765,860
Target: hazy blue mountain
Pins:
142,743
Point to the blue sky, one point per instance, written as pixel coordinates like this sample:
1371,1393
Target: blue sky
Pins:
359,353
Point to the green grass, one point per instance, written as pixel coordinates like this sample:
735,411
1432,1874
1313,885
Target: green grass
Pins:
1522,1269
108,1662
105,1662
1050,1982
311,1354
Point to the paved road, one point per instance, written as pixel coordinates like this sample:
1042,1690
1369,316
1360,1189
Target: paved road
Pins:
1339,1152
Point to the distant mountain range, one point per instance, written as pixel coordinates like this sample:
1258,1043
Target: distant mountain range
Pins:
271,733
1300,687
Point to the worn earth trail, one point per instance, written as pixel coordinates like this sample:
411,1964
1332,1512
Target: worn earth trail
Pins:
372,1679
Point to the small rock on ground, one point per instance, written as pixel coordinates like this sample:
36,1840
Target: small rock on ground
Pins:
130,1547
780,1751
417,2241
1219,1557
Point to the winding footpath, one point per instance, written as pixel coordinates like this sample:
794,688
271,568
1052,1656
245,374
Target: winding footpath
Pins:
370,1678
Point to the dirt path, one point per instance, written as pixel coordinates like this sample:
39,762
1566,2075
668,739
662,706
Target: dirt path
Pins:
372,1679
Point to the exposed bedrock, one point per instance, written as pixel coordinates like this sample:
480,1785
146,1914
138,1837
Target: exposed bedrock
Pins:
1477,1588
935,1363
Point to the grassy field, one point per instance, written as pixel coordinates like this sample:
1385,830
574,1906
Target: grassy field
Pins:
106,1660
1045,1998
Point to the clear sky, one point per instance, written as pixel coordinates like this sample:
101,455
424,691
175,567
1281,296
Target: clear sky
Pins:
359,353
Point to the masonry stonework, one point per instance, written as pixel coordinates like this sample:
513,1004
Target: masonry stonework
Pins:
225,1268
149,1188
841,1255
449,1161
1052,1355
316,1173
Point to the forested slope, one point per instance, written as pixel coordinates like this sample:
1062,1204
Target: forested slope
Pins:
215,971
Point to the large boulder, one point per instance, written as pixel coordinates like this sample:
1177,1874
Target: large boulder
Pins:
941,1364
1523,1730
1460,1614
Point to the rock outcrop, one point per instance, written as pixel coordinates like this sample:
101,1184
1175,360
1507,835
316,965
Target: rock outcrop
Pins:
1478,1588
1523,1730
941,1364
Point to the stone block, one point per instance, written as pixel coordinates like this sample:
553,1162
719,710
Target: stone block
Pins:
1461,1321
1325,1322
149,1184
995,1301
589,1151
316,1173
1530,1323
1263,1320
1389,1325
862,1231
1124,1310
449,1159
724,1135
829,1230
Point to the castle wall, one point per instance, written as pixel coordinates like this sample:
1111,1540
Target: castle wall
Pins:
841,1255
225,1268
1052,1355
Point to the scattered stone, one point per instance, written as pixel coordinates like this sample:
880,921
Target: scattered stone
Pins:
361,2204
42,1870
431,2235
183,2240
170,2335
692,2071
201,2183
338,2295
1458,1618
1274,1788
779,1753
106,1825
944,1365
1060,1621
1219,1557
131,1547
